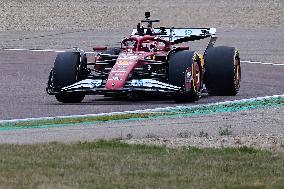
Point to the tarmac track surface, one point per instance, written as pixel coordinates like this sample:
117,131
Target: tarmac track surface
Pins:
254,27
23,76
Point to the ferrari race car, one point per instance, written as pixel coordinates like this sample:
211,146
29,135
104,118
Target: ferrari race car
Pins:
150,62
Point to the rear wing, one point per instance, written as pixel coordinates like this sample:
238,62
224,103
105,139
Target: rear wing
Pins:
180,35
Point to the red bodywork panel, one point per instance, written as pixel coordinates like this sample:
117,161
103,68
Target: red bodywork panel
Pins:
119,73
132,57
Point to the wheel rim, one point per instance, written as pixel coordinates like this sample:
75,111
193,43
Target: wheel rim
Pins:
77,77
196,77
237,72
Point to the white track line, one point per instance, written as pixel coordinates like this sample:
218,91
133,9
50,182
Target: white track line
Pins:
14,49
90,52
145,110
42,50
35,50
264,63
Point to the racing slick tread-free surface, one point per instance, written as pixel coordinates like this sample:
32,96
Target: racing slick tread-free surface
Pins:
178,63
113,51
220,71
65,73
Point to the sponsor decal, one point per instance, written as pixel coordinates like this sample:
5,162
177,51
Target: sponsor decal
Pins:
137,83
187,32
121,66
128,57
123,62
188,76
96,83
115,78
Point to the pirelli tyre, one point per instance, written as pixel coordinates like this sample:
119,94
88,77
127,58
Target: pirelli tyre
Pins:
185,71
113,51
66,72
222,71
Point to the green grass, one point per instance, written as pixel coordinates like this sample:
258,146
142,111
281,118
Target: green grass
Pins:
111,164
87,119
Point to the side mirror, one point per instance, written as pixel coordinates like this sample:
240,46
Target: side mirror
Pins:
100,48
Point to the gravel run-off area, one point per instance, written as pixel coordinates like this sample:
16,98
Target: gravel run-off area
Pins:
253,128
33,15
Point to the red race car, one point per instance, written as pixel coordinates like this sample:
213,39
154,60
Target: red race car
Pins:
150,62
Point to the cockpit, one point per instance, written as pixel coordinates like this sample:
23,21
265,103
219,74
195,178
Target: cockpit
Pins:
145,43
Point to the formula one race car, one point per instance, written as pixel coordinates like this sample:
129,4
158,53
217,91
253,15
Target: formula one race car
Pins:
148,62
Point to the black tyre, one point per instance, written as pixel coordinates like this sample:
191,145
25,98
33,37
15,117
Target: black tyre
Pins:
113,51
181,64
66,72
222,71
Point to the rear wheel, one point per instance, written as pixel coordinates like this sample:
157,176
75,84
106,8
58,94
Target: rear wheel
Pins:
222,71
185,71
66,72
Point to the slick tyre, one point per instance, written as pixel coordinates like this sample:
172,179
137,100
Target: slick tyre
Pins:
66,72
113,51
179,64
222,71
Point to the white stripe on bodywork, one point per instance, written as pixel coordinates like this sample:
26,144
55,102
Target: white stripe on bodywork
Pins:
86,83
150,83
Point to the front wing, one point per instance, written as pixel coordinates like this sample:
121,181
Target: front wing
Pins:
97,86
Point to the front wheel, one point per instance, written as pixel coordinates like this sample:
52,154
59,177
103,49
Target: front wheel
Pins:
185,71
64,73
